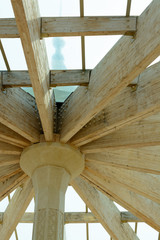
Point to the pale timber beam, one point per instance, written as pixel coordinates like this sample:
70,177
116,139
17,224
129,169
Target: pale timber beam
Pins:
76,217
128,107
10,184
105,210
9,171
145,184
16,209
28,23
57,78
74,26
125,61
11,137
145,159
18,112
6,160
142,134
144,208
8,149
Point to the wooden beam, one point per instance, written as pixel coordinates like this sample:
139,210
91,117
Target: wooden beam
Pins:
10,184
141,160
145,184
28,23
57,78
129,217
11,137
16,209
9,171
9,149
124,62
142,134
104,210
128,107
144,208
6,160
18,112
74,26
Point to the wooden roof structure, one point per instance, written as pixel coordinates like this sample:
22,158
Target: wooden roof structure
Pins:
112,117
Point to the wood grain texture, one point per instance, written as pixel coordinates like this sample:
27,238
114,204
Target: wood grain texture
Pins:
144,208
128,107
123,63
9,171
8,149
18,112
16,209
28,23
8,160
104,209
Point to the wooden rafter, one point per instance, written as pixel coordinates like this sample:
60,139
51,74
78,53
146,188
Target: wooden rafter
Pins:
76,26
8,149
141,159
115,71
56,78
105,210
9,171
8,160
140,134
144,208
128,107
145,184
18,112
28,23
15,209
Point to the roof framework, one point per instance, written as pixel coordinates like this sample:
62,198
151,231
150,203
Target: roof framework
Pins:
117,128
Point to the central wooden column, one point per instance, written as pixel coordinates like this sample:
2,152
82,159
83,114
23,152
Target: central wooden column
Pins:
51,167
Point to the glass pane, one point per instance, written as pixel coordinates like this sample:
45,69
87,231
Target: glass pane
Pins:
96,231
105,7
145,232
73,203
6,10
2,63
97,47
24,231
75,231
138,7
14,53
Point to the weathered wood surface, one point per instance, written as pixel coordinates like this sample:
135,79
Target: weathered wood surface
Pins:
142,207
87,26
57,78
74,26
10,184
123,63
18,112
16,209
8,149
11,137
105,210
145,159
141,134
128,107
6,160
9,171
145,184
28,23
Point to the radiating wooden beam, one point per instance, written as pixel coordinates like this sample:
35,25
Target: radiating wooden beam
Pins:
104,210
16,209
6,160
9,171
128,107
129,217
145,159
141,134
18,112
57,78
145,184
74,26
8,149
11,137
124,62
28,23
10,184
144,208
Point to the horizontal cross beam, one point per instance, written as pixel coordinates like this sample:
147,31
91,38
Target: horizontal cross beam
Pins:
77,217
74,26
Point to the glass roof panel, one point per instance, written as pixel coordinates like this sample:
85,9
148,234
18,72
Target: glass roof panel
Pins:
56,8
96,231
73,203
105,7
2,63
14,53
75,231
144,232
6,10
97,47
137,7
